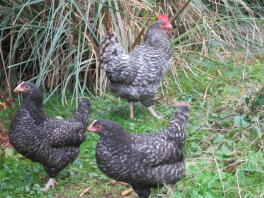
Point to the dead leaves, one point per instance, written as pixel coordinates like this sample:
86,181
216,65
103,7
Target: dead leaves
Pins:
218,72
4,141
117,183
233,166
87,190
5,104
127,192
123,194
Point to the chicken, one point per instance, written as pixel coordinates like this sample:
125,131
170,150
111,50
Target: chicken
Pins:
144,161
51,142
136,75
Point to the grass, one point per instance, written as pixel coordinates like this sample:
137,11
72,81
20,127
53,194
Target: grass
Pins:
55,43
224,146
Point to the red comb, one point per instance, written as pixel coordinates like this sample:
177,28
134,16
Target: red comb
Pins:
163,17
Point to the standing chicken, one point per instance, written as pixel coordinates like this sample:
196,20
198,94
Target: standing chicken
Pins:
144,161
136,75
51,142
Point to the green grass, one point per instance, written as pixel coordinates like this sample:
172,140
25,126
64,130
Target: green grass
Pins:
55,43
224,146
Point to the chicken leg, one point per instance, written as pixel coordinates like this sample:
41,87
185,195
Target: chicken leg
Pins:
131,108
153,113
150,109
51,183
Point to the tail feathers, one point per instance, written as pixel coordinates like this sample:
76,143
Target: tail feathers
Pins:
83,111
182,114
108,49
115,61
177,125
179,120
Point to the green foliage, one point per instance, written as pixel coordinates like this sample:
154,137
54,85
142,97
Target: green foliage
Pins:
224,148
55,43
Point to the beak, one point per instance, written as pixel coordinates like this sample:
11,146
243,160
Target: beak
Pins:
91,128
170,26
19,88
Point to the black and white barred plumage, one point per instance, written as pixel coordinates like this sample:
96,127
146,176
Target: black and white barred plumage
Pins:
142,160
136,75
51,142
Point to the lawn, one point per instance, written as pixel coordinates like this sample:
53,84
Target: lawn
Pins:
223,151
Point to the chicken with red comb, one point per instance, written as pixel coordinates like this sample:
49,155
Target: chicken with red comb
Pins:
166,22
136,75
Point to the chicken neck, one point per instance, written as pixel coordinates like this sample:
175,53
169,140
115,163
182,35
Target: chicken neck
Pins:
34,105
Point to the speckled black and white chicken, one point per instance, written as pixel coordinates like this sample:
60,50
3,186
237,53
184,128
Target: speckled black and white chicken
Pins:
51,142
144,161
136,75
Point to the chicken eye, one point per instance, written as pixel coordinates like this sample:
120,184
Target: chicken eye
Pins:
98,126
26,87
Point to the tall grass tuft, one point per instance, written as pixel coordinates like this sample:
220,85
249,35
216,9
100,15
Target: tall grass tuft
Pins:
55,43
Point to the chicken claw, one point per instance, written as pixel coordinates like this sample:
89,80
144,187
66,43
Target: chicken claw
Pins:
51,183
153,113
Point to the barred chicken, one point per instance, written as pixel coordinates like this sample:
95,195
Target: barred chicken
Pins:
51,142
136,75
144,161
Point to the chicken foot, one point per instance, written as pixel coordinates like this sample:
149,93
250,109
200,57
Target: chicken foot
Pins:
153,113
150,109
51,183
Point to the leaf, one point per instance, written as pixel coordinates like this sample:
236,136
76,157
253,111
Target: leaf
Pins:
127,192
59,118
116,183
240,122
87,190
224,150
232,169
219,138
9,153
247,100
218,72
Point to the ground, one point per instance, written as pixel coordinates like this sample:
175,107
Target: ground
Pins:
224,146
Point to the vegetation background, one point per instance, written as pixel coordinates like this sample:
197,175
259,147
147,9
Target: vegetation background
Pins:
218,67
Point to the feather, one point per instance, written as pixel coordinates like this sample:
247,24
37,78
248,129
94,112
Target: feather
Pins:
51,142
136,75
142,160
